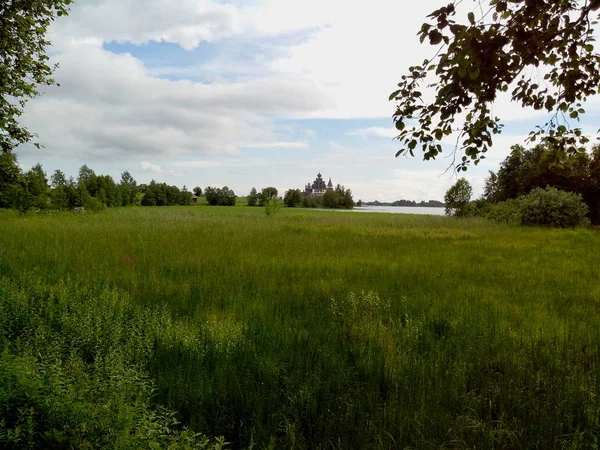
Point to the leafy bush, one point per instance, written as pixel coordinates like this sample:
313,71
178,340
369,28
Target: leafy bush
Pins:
93,204
478,208
552,207
506,212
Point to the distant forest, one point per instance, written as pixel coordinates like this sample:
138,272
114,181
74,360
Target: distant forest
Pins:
429,203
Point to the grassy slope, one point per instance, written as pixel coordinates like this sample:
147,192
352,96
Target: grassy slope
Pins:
490,337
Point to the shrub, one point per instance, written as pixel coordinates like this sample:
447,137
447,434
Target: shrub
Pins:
552,207
506,212
93,204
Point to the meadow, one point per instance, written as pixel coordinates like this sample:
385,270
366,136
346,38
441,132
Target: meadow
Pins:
306,330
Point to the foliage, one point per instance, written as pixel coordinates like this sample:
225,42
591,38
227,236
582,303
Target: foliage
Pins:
272,206
198,191
292,198
478,208
457,198
500,49
220,196
552,207
161,194
253,197
70,375
475,335
340,197
9,175
23,61
508,212
128,189
312,202
266,195
538,167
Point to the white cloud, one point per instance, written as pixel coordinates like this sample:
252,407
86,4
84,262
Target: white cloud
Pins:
109,106
157,169
375,131
150,167
186,22
281,144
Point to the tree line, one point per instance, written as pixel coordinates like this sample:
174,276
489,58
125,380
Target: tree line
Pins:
33,190
338,198
536,186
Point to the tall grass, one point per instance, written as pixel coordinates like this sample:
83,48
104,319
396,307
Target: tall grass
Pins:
315,329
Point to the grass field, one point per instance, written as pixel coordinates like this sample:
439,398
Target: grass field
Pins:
312,329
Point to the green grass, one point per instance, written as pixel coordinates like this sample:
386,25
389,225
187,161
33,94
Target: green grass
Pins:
468,335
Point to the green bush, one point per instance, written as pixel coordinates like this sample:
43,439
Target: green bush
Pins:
506,212
552,207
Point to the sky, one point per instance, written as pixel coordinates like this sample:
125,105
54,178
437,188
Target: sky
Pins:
245,93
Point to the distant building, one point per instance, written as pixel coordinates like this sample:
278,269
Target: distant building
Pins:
195,199
317,187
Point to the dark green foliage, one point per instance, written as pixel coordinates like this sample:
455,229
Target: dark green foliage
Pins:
128,189
197,191
312,202
220,197
161,194
508,212
253,197
339,198
23,200
23,61
185,197
292,198
457,199
552,207
9,175
266,195
527,169
498,49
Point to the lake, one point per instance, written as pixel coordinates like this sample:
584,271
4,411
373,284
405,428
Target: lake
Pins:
403,210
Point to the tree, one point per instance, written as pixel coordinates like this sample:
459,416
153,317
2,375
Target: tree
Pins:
457,198
292,198
198,191
23,61
37,186
58,179
88,179
9,175
227,197
330,199
185,197
222,197
345,199
128,188
212,195
500,49
267,194
253,197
